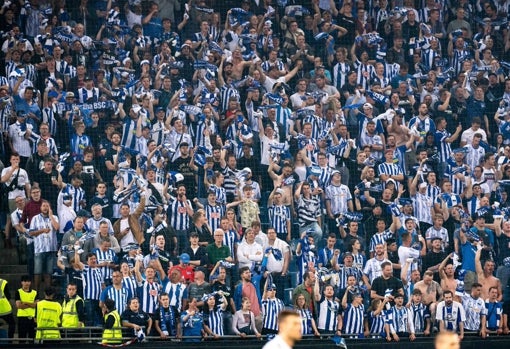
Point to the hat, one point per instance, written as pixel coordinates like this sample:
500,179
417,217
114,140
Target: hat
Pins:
278,191
124,74
69,95
436,238
314,170
125,60
334,172
145,62
271,287
422,185
131,247
184,258
185,45
158,109
246,169
348,254
391,180
52,94
368,105
87,78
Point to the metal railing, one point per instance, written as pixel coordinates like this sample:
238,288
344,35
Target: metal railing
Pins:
92,334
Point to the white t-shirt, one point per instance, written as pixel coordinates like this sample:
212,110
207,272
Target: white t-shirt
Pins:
19,189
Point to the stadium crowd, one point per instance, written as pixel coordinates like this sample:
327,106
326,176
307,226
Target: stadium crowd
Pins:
191,168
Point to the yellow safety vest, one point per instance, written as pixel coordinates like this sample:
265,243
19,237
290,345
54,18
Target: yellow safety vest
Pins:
27,297
113,335
69,313
48,316
5,305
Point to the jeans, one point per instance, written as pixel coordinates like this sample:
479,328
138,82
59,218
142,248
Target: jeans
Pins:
92,313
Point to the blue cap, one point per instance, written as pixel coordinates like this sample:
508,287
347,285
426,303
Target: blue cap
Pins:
184,258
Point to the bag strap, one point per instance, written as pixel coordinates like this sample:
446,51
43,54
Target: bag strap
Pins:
11,186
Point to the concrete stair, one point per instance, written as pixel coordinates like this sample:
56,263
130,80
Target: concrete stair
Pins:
10,269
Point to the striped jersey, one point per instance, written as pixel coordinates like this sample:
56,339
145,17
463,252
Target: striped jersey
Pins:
148,293
475,309
178,214
215,321
328,315
176,294
306,320
376,323
213,215
353,320
46,242
129,283
279,215
339,196
92,281
105,256
119,296
270,310
400,320
419,315
451,315
422,205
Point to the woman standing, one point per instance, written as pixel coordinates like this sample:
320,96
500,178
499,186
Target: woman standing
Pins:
192,322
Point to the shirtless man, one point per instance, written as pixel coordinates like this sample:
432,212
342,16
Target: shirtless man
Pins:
283,180
238,64
486,276
431,292
446,273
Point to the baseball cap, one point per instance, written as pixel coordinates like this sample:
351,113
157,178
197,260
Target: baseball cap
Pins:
184,258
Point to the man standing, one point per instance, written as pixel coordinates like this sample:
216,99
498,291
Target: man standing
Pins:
93,284
43,228
278,257
26,304
450,315
49,312
476,313
73,308
116,292
289,331
127,228
245,288
386,283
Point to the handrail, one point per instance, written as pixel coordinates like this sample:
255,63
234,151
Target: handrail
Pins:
88,332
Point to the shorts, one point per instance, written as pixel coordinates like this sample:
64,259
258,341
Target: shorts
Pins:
12,205
44,263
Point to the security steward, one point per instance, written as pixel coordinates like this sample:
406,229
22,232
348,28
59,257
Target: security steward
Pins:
6,308
26,303
48,316
112,333
73,308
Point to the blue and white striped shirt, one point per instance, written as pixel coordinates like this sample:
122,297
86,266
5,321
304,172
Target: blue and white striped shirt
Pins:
92,281
328,315
119,296
451,315
279,215
353,320
148,292
270,310
213,215
178,215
